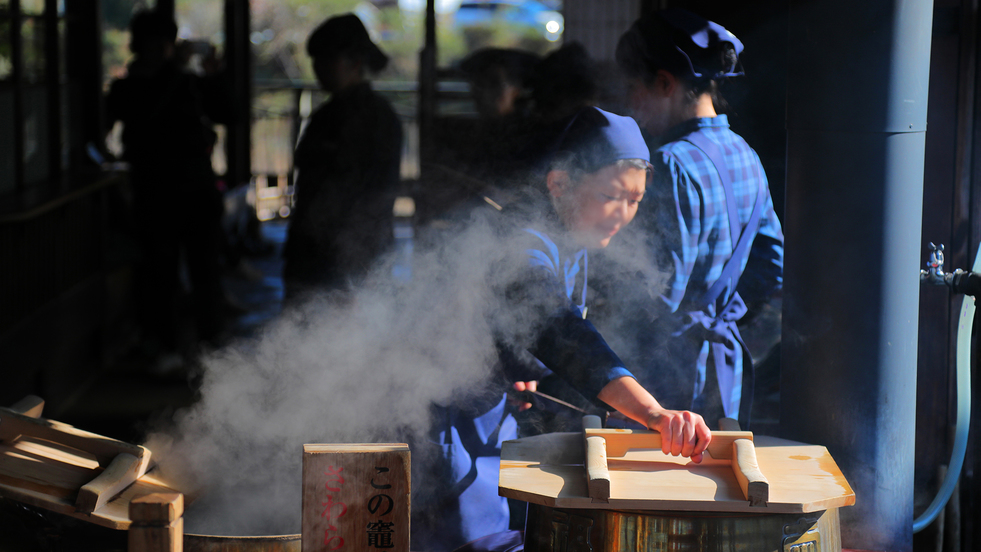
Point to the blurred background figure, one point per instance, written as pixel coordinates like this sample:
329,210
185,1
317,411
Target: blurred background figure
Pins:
486,149
347,165
565,82
499,82
167,117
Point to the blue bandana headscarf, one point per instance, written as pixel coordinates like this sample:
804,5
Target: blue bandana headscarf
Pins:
679,42
600,138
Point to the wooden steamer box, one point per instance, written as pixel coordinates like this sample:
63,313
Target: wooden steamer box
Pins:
356,497
655,501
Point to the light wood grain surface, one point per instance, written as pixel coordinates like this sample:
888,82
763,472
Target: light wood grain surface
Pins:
356,496
49,476
548,470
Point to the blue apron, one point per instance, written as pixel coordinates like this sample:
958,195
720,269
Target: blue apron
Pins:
468,506
733,378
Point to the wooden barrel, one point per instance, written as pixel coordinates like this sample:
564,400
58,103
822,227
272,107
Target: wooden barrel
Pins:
219,543
579,530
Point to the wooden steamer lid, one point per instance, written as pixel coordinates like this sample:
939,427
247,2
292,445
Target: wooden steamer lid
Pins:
548,470
57,467
656,501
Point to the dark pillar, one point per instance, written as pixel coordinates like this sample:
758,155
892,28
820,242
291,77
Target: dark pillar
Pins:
427,86
856,118
83,63
238,57
17,76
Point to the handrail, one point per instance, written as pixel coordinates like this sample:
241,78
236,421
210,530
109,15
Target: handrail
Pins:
109,179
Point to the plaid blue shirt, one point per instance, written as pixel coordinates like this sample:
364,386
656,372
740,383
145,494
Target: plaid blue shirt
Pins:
684,214
697,233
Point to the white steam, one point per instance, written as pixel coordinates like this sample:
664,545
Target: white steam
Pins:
365,367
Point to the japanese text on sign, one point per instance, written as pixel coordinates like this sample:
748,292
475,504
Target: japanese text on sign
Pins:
381,532
333,510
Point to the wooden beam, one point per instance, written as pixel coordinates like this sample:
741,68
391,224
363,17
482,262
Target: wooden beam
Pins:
158,523
597,470
122,472
105,450
31,406
754,485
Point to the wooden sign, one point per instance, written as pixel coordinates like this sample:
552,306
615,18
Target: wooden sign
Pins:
356,497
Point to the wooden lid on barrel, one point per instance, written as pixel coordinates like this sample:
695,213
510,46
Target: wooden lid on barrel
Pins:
55,466
549,470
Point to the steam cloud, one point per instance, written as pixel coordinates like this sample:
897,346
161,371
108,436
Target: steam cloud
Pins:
362,368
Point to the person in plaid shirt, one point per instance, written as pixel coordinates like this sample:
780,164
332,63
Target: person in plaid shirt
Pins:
710,224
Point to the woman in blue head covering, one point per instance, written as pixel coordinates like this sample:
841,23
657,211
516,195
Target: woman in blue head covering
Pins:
717,234
592,189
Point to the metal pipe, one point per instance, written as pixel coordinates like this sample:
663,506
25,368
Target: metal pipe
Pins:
965,325
856,122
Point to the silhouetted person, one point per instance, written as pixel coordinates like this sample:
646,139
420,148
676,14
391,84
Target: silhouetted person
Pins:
168,140
482,154
565,82
347,163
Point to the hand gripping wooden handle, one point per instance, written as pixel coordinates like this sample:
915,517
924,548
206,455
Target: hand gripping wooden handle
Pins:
735,446
619,441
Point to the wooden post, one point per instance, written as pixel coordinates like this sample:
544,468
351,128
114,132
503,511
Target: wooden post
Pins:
157,523
356,497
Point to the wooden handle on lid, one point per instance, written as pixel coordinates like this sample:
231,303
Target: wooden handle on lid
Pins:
597,471
751,480
735,446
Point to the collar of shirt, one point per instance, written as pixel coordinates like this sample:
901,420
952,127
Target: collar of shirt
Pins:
681,130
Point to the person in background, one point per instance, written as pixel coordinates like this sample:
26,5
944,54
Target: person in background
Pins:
167,117
711,224
500,84
347,164
592,189
565,81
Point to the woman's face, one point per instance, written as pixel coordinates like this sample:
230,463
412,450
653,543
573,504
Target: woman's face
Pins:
336,71
600,204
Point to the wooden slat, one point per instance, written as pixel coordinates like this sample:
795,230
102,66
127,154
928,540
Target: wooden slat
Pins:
13,425
122,472
31,405
51,475
755,487
157,523
597,471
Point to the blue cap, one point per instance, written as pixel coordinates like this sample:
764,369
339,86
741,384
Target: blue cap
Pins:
681,43
600,138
